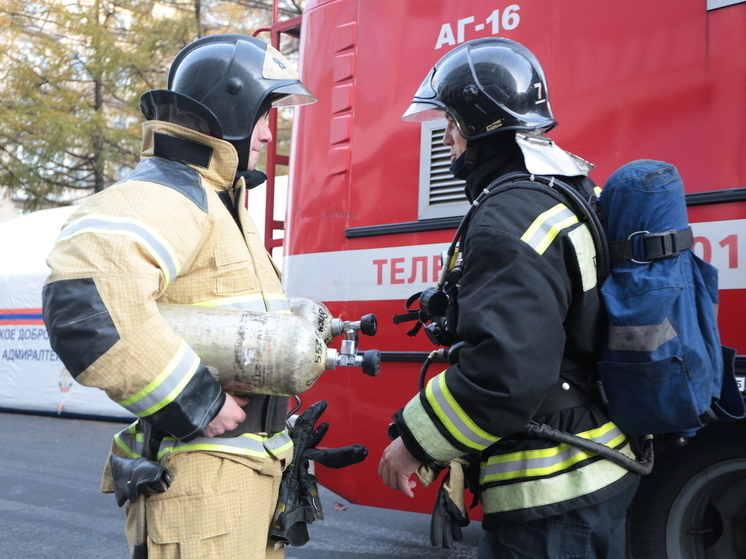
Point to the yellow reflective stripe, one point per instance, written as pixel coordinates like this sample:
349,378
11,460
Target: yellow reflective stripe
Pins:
547,461
585,250
130,441
546,226
274,302
169,383
454,418
551,490
247,444
278,443
252,302
426,433
148,238
213,447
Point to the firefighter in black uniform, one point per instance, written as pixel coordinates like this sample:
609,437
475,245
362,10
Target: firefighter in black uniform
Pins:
527,313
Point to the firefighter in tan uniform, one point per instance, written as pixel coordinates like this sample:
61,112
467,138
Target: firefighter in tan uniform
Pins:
176,230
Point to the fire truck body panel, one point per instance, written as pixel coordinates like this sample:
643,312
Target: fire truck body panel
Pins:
372,205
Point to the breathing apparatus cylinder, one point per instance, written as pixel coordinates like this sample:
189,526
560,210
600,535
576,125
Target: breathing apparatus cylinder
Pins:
271,353
253,352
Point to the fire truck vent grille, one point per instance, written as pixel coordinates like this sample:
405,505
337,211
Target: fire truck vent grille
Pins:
444,187
441,195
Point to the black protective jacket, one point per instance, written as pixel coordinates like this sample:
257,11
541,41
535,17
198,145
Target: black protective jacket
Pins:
529,313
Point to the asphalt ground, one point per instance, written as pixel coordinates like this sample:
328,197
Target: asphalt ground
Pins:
50,506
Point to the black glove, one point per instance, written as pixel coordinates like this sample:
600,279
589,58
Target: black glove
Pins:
136,476
299,503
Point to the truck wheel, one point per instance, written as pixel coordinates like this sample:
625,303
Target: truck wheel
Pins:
693,504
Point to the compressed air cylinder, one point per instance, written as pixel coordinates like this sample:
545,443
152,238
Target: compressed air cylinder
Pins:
253,352
316,313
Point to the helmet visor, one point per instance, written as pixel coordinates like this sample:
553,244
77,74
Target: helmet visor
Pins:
425,105
421,112
292,94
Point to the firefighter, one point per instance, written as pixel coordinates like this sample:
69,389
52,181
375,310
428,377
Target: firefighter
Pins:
176,230
524,313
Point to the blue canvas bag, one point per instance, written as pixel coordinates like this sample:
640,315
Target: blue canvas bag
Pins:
663,369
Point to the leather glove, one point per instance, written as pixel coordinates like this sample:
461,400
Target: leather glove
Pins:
136,476
299,503
140,476
449,513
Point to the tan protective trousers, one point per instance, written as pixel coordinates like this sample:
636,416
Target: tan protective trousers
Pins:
219,506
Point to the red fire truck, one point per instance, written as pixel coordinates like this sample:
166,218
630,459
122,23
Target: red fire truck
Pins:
372,205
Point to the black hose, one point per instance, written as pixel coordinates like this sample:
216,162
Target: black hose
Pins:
643,466
423,371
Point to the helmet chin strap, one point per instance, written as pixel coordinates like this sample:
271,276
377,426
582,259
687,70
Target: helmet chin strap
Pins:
471,156
243,145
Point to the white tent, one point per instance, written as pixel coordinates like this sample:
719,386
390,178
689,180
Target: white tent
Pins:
32,378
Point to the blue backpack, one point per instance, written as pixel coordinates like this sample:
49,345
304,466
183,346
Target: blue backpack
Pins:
663,369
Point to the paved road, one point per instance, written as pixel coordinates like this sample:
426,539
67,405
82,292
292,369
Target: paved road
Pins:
50,507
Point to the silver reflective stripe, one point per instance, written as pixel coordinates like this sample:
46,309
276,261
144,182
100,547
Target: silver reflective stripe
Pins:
427,435
276,302
248,444
547,461
555,489
640,338
278,443
167,385
130,441
454,418
546,226
156,245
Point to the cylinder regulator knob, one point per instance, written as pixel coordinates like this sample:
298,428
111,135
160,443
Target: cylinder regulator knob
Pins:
371,361
369,325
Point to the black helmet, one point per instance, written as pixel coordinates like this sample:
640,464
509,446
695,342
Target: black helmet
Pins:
222,84
486,86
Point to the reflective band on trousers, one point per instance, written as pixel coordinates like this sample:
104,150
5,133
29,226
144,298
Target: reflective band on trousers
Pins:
271,302
454,418
167,385
248,444
151,241
547,461
547,226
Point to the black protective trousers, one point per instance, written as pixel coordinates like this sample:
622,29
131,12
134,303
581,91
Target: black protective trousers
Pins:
594,532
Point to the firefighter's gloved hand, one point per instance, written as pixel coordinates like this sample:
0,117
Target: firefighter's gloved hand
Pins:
136,476
449,513
299,503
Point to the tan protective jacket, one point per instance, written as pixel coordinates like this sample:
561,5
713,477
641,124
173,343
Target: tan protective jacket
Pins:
161,235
